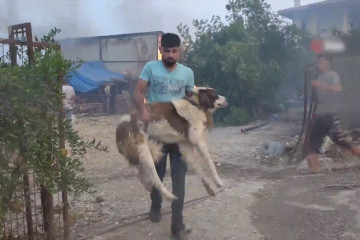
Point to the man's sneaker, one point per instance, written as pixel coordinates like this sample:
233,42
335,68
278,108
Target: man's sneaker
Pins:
180,232
155,215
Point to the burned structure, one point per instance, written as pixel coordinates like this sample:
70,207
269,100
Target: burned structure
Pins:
108,67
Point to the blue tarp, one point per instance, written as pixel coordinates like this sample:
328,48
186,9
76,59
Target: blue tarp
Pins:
91,75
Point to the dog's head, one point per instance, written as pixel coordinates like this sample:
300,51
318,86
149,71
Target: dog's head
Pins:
208,99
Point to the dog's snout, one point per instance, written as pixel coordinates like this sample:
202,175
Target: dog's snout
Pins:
225,102
222,102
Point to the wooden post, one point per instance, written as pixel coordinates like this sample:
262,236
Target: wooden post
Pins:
48,216
29,43
66,215
29,220
12,48
62,145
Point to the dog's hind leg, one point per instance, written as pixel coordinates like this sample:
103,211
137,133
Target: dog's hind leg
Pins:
188,152
203,150
148,174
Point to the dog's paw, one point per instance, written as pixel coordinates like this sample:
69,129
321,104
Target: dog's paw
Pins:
208,188
219,183
171,197
167,194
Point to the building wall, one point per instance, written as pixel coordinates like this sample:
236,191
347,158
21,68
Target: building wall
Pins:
332,19
119,53
317,22
81,49
129,53
354,17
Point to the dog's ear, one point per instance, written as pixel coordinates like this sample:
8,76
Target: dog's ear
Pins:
204,99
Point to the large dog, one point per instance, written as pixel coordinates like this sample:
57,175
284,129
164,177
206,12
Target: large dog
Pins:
181,121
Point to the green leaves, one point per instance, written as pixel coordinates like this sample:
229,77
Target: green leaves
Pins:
237,116
247,57
30,128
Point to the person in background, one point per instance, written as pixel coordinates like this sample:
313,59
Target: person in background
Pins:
68,100
326,122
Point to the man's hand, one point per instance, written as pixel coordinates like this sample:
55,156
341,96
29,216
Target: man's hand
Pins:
331,88
145,115
316,84
139,96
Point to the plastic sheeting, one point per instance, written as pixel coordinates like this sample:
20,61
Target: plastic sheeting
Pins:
90,76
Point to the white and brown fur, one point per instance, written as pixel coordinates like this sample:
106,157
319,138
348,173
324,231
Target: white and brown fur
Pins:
182,122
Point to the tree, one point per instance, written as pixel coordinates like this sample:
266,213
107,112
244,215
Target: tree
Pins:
31,129
245,58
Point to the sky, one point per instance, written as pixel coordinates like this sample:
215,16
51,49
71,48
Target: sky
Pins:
81,18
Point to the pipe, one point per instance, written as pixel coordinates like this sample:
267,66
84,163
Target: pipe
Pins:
312,111
305,112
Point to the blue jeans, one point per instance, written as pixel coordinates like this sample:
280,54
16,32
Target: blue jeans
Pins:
178,173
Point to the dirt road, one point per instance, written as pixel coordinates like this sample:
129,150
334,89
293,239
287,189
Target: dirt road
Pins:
253,205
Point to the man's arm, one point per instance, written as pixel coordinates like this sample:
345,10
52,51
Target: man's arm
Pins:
332,88
140,92
332,83
190,86
139,97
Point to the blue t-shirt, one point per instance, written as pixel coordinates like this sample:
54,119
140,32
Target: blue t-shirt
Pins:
165,86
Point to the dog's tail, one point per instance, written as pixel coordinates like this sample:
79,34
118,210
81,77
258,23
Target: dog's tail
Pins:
127,137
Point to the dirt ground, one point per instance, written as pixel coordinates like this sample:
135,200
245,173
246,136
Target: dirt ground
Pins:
263,198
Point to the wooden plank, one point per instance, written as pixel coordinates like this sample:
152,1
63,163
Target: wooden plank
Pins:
34,44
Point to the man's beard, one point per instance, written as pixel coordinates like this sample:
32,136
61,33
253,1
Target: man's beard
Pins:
168,63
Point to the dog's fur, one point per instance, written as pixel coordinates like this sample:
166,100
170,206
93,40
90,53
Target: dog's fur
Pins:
182,122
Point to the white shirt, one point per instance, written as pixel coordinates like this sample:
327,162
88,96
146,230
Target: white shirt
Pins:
69,95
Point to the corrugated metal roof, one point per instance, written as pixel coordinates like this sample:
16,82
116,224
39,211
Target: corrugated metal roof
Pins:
289,13
115,36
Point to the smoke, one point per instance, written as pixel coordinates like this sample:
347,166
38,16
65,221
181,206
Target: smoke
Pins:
125,16
46,14
3,19
78,18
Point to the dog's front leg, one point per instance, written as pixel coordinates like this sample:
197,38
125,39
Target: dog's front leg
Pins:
188,152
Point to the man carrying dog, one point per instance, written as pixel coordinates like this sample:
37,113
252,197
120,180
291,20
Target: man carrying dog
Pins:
164,81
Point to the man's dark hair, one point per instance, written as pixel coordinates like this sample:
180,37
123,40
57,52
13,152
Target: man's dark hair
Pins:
170,40
327,57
